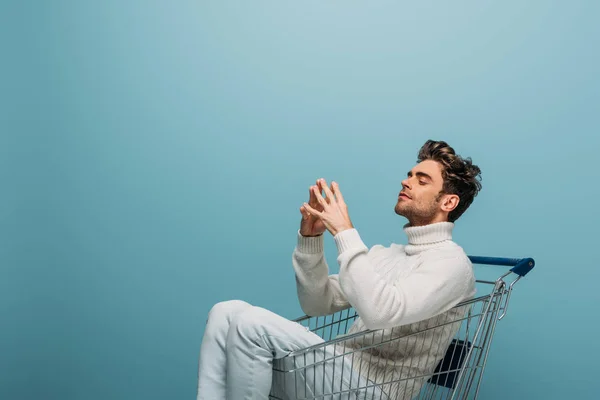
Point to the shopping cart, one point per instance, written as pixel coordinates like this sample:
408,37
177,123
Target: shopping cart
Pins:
443,357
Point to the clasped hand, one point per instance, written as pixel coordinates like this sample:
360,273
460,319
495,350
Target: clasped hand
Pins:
335,211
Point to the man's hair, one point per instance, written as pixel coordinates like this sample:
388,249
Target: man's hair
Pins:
459,174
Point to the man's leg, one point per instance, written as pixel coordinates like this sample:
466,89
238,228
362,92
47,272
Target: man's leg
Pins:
257,336
211,366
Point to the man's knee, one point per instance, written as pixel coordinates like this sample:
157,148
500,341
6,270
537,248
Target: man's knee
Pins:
253,319
227,309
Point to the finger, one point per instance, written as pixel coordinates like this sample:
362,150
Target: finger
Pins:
320,198
338,193
312,199
312,210
316,191
305,214
328,191
320,187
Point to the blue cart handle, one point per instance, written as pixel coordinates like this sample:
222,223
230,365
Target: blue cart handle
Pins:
520,266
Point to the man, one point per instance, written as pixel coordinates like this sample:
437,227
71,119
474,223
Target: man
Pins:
405,292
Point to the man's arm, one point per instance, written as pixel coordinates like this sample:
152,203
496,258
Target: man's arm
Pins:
431,289
318,292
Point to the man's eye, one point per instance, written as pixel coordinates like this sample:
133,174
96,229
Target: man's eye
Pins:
422,183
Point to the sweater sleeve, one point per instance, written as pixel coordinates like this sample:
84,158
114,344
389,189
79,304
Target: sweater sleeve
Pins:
318,292
432,288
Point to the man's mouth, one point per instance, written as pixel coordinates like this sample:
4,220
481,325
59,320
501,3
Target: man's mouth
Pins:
404,195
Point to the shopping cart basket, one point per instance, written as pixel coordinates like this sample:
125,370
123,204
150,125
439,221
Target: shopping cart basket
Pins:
443,357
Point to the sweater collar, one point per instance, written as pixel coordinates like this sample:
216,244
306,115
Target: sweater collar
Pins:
421,237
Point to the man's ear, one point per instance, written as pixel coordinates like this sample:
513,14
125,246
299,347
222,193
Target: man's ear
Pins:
450,202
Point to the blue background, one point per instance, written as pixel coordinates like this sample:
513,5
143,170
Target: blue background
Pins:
154,156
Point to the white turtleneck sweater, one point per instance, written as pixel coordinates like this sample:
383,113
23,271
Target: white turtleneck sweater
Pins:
405,287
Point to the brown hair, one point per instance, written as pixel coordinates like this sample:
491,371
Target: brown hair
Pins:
459,174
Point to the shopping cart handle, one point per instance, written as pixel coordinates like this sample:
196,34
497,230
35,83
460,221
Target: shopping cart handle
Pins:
520,266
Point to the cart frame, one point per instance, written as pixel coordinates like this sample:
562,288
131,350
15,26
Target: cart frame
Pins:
457,375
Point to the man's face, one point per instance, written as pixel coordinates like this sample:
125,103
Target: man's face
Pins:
420,198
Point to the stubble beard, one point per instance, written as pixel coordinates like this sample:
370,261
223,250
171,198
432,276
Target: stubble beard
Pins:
416,215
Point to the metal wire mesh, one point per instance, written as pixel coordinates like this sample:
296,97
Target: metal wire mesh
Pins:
443,357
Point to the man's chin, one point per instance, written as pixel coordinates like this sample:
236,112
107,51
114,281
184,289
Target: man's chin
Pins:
400,211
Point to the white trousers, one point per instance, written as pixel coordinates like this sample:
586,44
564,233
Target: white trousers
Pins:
236,359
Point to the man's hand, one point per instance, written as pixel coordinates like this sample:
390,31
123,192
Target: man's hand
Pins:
311,225
335,211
